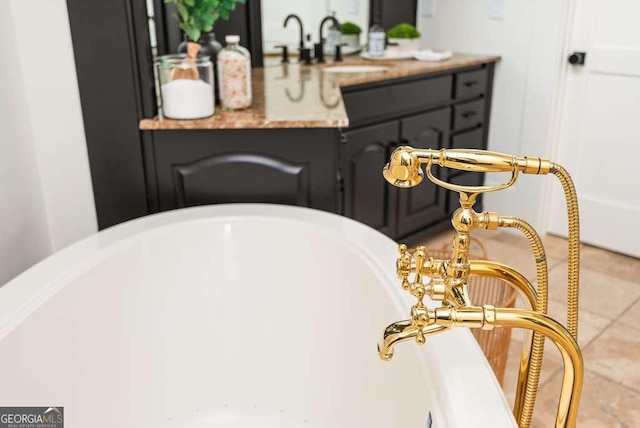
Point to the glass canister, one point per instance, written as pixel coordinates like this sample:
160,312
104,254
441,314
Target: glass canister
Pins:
186,86
234,68
377,38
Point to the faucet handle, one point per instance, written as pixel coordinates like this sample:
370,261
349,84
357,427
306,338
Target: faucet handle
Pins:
337,57
421,317
404,266
421,275
285,52
408,264
417,287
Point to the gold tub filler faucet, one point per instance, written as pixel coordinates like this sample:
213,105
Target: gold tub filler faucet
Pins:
445,281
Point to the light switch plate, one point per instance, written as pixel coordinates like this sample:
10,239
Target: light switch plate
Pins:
428,8
496,9
352,6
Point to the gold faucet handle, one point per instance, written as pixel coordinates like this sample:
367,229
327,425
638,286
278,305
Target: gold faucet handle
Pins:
418,287
409,268
404,266
420,318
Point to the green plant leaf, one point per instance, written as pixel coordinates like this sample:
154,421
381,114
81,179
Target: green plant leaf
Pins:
184,12
197,16
207,21
350,28
403,31
193,33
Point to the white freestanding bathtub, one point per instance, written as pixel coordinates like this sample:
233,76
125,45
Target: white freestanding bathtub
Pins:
233,316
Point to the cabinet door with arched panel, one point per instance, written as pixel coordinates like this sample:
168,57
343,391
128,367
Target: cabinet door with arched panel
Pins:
423,205
367,197
277,166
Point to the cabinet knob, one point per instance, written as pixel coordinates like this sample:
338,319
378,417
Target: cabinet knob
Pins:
577,58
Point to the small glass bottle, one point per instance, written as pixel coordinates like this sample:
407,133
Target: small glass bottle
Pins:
376,41
234,75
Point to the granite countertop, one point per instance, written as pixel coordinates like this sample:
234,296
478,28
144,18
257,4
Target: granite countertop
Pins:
298,96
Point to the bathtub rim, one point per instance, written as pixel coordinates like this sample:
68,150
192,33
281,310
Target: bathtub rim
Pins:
23,295
28,290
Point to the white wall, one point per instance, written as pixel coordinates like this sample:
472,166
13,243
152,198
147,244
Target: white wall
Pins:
46,193
24,237
529,37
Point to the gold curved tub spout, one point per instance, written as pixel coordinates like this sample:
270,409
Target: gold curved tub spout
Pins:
402,331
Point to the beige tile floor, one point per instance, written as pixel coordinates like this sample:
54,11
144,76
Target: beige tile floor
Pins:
609,329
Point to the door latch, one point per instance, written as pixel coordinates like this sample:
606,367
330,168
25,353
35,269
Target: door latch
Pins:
577,58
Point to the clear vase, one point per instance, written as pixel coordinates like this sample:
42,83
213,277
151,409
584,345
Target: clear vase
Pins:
210,47
186,86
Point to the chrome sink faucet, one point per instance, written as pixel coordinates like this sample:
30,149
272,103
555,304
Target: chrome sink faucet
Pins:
319,47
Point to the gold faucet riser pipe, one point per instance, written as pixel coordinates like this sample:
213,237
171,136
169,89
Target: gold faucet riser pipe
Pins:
573,376
508,317
507,274
516,280
525,400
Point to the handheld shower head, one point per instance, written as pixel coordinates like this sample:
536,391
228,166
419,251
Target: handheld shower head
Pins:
403,169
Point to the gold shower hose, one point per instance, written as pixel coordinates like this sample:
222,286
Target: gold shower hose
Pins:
524,403
574,246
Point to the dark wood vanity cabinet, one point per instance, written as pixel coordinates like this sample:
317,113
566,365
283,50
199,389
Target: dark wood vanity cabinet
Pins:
366,196
443,110
336,170
281,166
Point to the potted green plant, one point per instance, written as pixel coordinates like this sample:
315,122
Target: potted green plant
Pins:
197,20
405,36
351,34
199,16
188,82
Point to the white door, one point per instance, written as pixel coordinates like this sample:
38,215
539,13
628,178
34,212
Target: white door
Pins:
599,132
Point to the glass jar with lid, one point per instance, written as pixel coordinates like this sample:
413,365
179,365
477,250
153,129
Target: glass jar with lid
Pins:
234,69
377,39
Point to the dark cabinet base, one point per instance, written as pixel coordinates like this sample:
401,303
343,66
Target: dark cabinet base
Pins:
282,166
368,198
444,110
335,170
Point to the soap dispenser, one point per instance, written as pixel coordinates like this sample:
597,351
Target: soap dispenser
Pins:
377,39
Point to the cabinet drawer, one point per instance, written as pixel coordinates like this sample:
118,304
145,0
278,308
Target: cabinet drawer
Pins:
392,100
471,83
468,115
468,140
